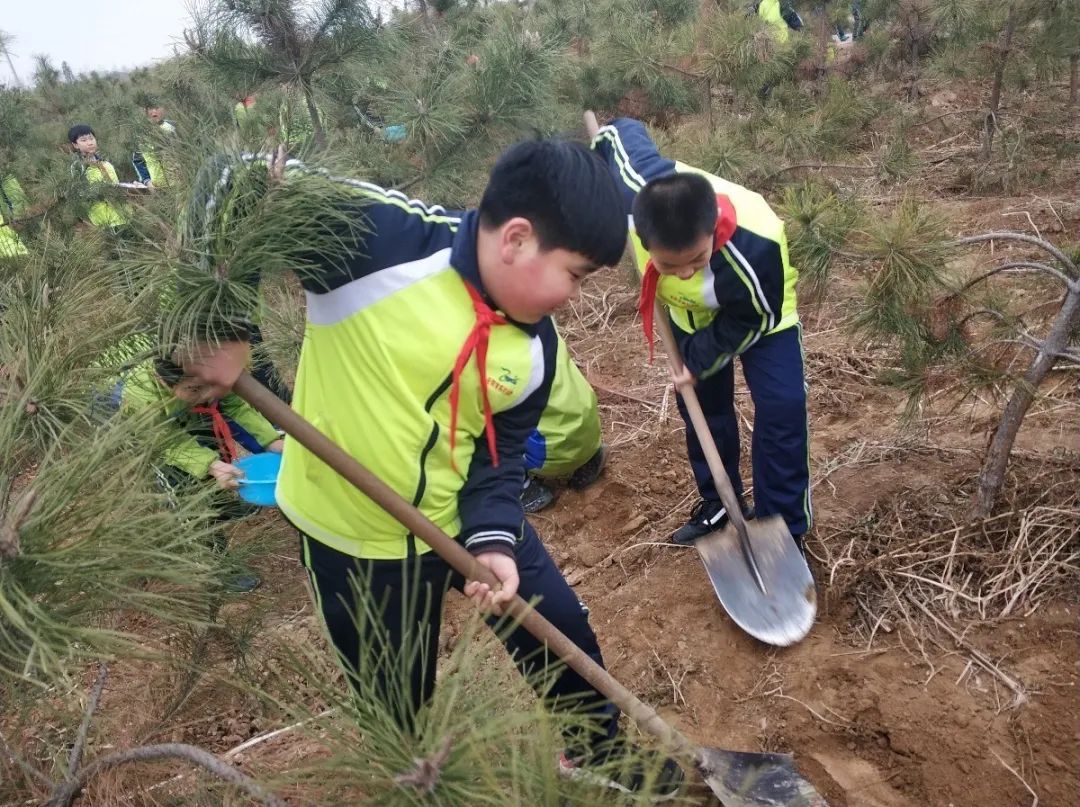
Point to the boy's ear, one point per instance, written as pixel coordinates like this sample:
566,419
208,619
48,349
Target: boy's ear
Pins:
515,233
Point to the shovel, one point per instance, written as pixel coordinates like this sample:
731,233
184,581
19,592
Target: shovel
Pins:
756,569
737,778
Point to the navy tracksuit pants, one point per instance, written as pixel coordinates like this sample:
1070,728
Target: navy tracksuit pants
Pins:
773,369
389,637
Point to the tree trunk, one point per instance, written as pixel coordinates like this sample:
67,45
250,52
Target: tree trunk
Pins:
913,90
313,111
992,475
999,77
1074,79
11,66
823,38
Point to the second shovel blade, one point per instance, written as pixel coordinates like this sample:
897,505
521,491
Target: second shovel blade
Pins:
743,779
784,613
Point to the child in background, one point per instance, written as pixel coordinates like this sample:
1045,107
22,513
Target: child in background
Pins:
13,204
145,162
205,436
95,169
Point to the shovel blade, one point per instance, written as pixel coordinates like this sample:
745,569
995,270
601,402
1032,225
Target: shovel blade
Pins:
743,779
782,614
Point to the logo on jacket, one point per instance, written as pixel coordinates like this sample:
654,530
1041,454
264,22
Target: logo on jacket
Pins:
505,383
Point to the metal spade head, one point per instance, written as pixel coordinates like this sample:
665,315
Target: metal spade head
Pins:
783,613
744,779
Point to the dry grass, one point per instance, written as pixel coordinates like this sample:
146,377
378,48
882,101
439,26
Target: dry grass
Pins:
913,563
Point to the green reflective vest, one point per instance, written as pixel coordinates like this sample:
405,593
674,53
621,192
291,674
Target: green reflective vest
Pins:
104,213
13,202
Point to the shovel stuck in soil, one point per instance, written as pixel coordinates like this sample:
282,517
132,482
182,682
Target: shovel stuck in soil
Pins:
738,779
755,568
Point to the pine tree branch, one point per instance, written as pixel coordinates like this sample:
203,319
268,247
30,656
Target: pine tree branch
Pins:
75,758
425,776
688,73
10,544
66,793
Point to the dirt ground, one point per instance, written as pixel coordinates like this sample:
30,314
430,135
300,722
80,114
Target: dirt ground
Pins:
882,724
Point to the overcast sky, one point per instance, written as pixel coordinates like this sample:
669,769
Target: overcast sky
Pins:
91,34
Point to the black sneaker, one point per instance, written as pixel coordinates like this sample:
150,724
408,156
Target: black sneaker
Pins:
535,495
707,516
241,583
590,471
643,772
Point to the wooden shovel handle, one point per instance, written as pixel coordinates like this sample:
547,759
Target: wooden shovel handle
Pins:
697,418
459,559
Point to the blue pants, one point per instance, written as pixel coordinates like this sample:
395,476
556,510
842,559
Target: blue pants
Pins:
773,369
408,597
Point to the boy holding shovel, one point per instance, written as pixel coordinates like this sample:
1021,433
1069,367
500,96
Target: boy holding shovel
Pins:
429,356
715,255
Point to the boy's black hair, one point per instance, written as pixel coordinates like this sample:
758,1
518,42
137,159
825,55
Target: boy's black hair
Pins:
78,130
168,371
565,191
675,211
172,373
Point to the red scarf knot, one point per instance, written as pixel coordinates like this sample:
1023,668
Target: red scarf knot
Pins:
222,433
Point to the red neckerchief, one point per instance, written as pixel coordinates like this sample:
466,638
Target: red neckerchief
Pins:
477,341
222,433
725,228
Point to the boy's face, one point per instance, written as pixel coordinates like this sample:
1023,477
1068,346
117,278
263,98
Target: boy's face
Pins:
683,263
194,392
86,144
156,114
526,282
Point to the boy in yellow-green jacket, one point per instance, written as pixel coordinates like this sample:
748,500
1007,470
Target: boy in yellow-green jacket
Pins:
147,166
95,169
781,16
715,255
429,355
206,433
13,203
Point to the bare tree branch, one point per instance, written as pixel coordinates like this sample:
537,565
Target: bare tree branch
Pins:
1011,235
28,769
66,793
1013,266
831,166
75,758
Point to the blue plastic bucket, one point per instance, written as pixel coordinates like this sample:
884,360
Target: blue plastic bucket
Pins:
395,133
259,483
